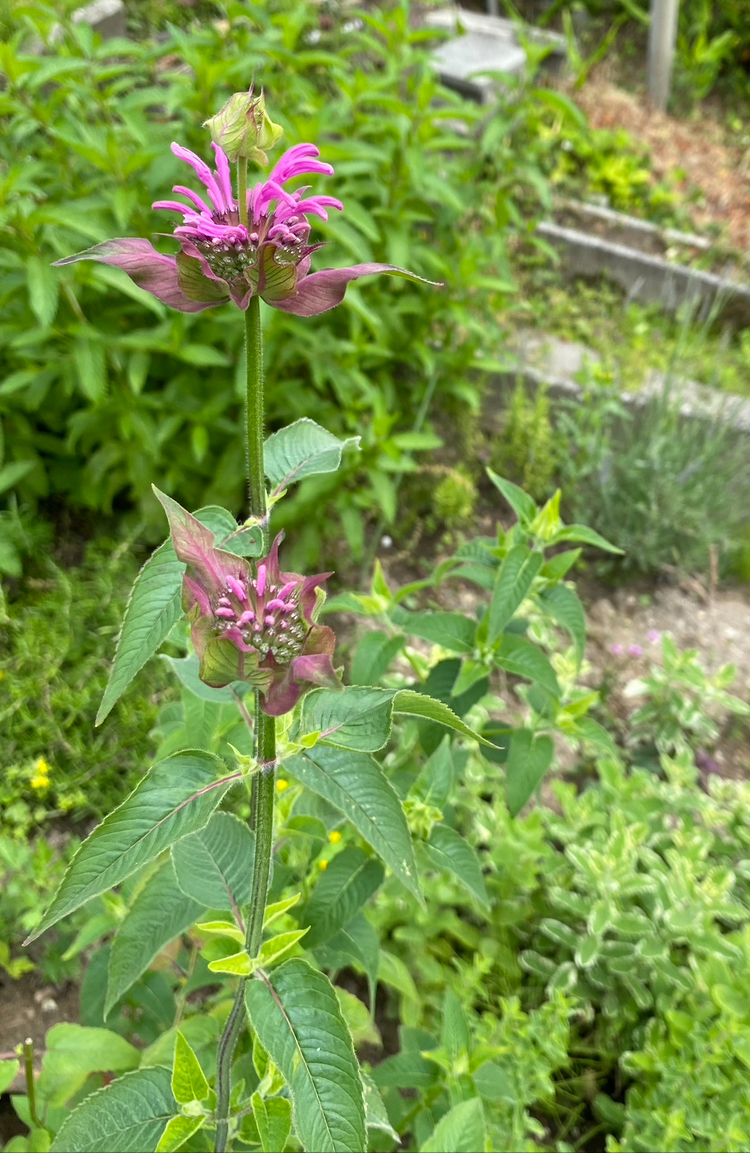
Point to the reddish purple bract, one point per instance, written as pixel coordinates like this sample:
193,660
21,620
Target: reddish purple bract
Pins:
249,621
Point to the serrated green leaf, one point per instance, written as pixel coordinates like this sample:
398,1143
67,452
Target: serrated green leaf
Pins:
565,607
236,964
356,718
519,656
340,892
160,912
415,704
221,929
278,908
188,1079
274,1120
174,800
8,1071
376,1116
448,850
127,1116
297,1017
522,504
512,584
455,1031
153,608
528,760
357,943
373,657
355,784
585,535
178,1131
73,1052
461,1130
275,947
303,449
44,285
215,864
453,631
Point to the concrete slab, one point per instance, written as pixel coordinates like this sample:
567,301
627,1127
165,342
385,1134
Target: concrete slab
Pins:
458,61
648,278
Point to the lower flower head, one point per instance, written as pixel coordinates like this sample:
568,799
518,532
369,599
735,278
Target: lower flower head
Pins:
250,621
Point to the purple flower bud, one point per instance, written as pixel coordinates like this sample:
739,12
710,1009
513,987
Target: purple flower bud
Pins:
635,650
617,650
654,636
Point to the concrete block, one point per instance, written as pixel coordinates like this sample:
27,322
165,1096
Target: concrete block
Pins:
107,17
648,278
483,44
458,61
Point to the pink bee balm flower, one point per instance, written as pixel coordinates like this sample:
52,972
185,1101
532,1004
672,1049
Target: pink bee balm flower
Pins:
222,259
249,621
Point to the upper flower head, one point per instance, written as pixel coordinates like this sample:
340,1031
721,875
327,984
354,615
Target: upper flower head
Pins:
222,258
250,621
264,255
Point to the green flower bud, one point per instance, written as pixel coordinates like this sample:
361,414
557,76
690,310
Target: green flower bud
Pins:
243,128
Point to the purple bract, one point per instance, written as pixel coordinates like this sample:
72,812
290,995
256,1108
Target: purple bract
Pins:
222,259
249,621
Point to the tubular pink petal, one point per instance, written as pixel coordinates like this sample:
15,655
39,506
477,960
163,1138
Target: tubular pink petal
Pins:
204,174
146,267
197,200
224,174
174,206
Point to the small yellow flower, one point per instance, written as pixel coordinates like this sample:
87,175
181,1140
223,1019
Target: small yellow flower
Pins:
282,785
40,779
322,865
334,837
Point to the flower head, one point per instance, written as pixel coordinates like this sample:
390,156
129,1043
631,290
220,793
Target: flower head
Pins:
223,259
249,621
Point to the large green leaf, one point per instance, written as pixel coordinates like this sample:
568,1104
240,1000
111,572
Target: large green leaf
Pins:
357,717
448,850
73,1052
159,913
453,631
273,1116
340,892
563,604
175,799
420,705
529,758
354,783
303,449
357,942
128,1116
374,654
215,865
461,1130
514,579
296,1015
518,655
154,607
521,503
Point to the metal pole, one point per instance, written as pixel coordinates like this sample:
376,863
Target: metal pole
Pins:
662,37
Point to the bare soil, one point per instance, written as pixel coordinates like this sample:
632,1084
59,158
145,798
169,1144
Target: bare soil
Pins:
714,163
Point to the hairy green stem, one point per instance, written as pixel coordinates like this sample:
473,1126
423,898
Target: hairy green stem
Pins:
242,190
262,789
254,413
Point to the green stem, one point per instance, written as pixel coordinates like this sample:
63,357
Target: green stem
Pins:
28,1061
262,794
242,190
254,413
